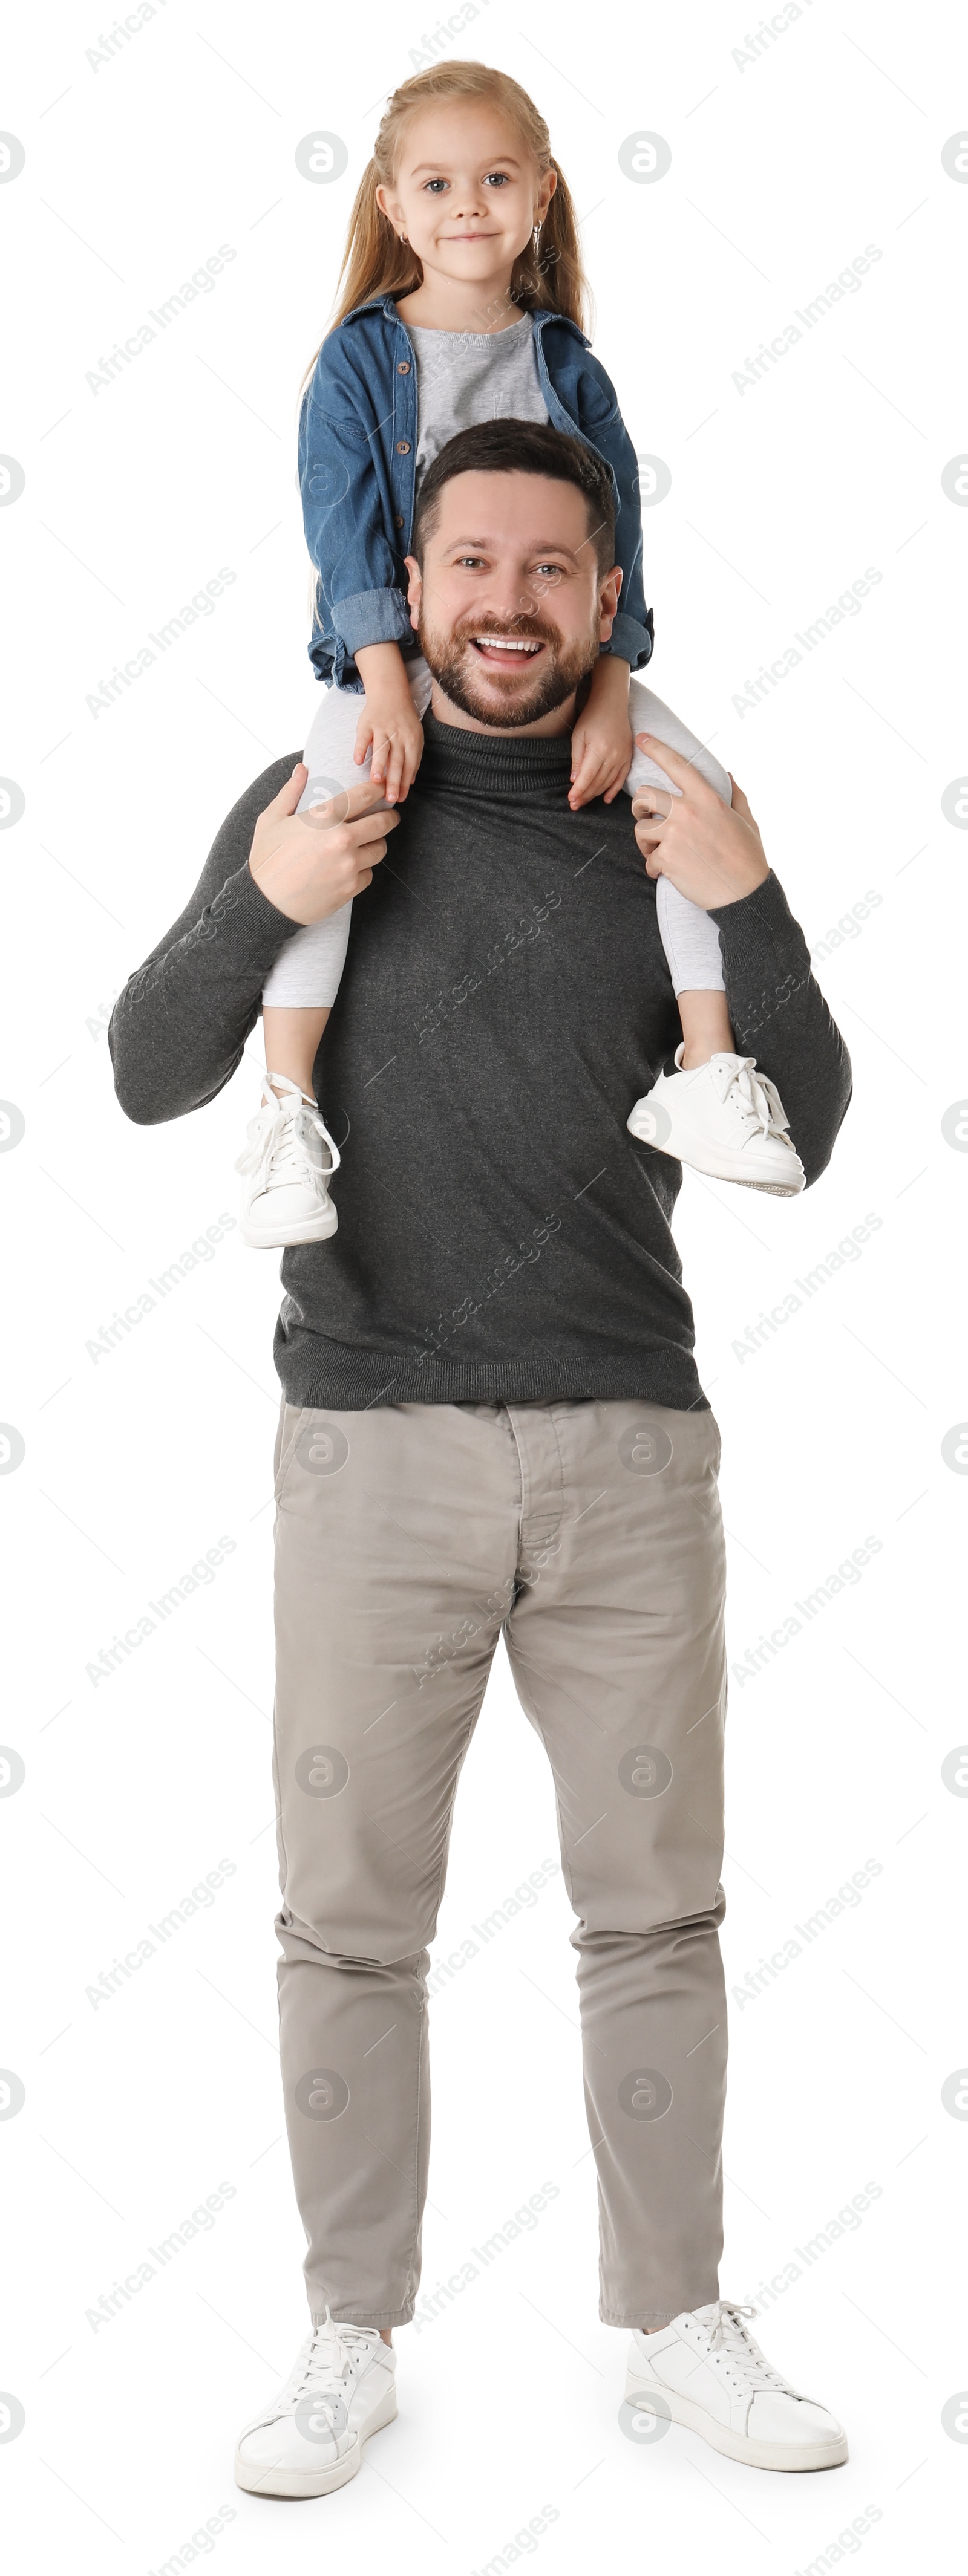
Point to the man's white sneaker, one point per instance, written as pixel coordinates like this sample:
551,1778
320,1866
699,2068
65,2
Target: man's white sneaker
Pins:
724,1118
310,2438
714,2378
288,1160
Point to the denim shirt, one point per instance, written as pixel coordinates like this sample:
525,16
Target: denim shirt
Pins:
357,459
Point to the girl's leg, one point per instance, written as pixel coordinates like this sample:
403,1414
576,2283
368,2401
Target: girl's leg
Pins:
290,1154
292,1039
706,1028
690,939
691,943
707,1113
305,979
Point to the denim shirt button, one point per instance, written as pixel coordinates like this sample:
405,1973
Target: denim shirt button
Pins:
398,522
403,447
403,366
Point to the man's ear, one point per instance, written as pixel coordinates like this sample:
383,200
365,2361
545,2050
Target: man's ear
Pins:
608,602
415,588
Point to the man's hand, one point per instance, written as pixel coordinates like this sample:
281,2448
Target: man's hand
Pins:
712,852
311,864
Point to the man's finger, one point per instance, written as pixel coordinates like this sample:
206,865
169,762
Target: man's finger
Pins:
740,802
685,773
363,799
365,825
329,811
646,801
349,805
289,795
647,821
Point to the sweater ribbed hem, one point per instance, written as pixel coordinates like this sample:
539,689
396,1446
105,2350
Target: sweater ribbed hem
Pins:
331,1378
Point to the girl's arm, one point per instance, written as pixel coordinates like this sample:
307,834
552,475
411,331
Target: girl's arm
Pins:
388,720
362,613
602,740
600,421
348,512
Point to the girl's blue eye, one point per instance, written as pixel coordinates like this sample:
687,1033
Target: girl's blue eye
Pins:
498,179
433,184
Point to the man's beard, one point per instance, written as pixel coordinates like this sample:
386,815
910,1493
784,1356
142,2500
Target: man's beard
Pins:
561,667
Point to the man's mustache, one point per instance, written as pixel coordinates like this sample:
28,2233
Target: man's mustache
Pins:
523,629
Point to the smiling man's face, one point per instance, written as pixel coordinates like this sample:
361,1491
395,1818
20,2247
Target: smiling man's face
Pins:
510,605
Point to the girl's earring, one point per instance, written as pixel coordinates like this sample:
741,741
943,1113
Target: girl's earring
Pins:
403,237
536,236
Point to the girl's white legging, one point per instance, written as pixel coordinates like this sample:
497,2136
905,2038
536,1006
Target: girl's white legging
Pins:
307,974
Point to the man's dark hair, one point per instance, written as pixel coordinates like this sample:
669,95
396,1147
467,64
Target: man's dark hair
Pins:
521,447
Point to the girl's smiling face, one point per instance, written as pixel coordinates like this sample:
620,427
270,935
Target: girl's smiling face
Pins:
467,193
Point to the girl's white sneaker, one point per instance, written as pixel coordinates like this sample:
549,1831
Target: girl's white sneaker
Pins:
723,1118
713,2377
310,2439
287,1162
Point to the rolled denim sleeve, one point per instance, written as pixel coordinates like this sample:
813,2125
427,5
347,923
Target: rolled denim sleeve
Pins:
634,628
347,507
372,617
581,396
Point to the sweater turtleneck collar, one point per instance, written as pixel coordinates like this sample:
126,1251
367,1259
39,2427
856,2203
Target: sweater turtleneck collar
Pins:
495,764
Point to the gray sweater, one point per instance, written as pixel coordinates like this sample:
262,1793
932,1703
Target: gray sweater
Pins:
505,999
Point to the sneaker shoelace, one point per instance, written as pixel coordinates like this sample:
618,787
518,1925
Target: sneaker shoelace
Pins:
722,2323
327,2372
278,1143
751,1094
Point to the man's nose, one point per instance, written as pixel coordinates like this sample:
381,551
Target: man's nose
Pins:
510,598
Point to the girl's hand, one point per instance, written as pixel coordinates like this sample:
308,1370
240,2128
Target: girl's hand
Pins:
396,733
601,754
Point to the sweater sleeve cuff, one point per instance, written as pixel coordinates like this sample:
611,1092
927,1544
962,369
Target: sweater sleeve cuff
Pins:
759,929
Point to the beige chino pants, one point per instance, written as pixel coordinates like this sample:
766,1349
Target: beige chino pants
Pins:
407,1538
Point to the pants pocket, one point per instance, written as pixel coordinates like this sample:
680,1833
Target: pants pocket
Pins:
292,1421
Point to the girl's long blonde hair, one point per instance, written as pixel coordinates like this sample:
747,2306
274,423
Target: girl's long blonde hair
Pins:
375,262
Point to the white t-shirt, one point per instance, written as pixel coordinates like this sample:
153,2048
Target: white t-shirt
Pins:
469,376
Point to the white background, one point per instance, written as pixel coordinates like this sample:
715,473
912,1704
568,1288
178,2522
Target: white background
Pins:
783,169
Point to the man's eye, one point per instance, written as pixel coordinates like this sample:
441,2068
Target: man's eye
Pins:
552,570
468,562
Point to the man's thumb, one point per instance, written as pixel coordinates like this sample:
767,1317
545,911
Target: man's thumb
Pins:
289,795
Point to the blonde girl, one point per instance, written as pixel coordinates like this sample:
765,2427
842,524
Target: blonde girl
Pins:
463,299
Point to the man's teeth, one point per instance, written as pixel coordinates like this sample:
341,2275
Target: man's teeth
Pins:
508,643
